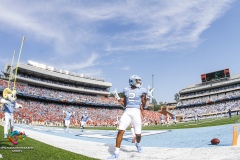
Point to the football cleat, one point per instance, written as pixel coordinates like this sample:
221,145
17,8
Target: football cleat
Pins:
114,156
139,148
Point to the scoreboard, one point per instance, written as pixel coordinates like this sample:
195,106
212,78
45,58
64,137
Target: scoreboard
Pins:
215,75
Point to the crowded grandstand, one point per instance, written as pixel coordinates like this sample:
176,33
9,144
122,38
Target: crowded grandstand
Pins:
217,95
45,92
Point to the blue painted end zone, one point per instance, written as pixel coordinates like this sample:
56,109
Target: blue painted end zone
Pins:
179,138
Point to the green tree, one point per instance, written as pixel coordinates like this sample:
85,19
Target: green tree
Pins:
155,105
161,104
176,97
154,102
120,94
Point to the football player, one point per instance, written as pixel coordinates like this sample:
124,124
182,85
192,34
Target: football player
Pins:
167,119
68,115
134,101
84,120
162,119
174,119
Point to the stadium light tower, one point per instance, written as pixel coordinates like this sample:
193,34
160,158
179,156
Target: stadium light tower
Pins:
152,86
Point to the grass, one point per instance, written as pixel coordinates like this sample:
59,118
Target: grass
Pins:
35,150
201,123
181,125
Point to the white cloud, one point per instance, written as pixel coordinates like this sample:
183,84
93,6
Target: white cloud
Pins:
88,62
93,72
177,23
79,64
79,28
126,68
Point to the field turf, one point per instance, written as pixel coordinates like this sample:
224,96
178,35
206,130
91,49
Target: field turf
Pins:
30,149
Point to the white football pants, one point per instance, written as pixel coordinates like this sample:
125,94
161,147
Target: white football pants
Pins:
131,115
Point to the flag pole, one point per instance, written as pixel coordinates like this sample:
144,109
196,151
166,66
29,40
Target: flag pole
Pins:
19,55
11,68
152,86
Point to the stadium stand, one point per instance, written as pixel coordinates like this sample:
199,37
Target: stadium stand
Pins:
213,97
46,91
39,81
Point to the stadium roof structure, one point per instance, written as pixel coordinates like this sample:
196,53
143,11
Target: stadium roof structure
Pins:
56,75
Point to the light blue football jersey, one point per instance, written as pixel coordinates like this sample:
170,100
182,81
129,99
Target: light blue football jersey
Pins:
68,115
174,117
134,97
84,118
162,117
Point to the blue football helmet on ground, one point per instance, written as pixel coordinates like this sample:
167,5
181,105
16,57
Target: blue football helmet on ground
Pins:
135,80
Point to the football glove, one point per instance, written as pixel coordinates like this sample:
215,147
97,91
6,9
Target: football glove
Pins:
149,92
115,93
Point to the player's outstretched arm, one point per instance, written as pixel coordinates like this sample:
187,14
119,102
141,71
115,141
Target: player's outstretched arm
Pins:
120,100
115,93
148,96
149,92
143,104
146,104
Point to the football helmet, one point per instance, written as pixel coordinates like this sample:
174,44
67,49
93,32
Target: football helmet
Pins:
135,80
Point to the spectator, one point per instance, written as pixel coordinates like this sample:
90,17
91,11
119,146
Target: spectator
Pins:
230,113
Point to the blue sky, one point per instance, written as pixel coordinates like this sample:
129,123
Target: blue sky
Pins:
176,41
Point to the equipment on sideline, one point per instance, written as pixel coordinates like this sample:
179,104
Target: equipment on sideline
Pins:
235,136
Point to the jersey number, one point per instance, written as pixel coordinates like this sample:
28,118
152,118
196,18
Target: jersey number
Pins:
131,96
